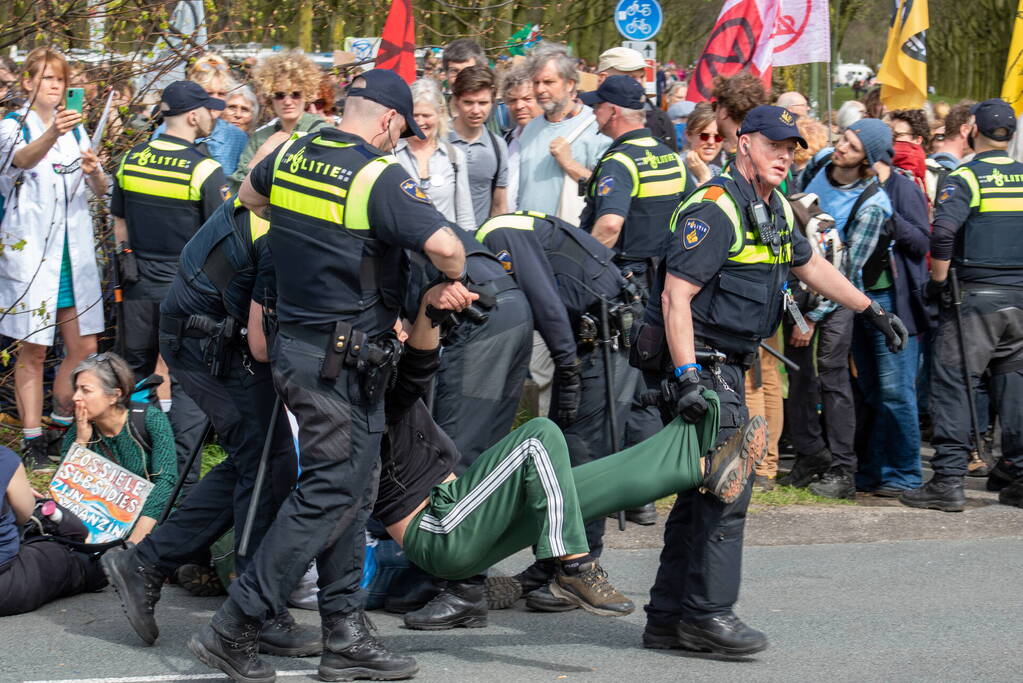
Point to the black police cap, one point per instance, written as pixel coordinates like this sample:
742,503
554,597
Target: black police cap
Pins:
623,91
991,115
389,89
183,96
776,123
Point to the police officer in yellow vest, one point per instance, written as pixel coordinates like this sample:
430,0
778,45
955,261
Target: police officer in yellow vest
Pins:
165,189
636,186
720,287
976,229
340,213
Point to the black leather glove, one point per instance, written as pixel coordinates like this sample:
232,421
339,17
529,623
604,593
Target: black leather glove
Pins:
570,388
127,267
889,324
939,293
690,404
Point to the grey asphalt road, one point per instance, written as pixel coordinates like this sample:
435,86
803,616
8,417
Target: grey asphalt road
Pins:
913,610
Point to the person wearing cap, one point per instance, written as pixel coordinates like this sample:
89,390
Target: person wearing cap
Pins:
976,231
164,190
624,61
636,186
340,211
846,184
722,287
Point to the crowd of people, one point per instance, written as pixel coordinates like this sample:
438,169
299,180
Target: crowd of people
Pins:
692,287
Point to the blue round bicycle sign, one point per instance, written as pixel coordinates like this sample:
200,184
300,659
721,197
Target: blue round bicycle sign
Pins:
638,19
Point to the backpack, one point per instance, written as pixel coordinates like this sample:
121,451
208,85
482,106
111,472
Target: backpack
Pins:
142,397
820,230
27,137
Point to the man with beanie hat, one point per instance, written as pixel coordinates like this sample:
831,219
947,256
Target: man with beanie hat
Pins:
975,238
847,188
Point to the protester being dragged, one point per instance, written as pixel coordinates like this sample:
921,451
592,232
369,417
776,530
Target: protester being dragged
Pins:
437,166
49,279
704,144
520,100
103,391
486,154
34,570
287,82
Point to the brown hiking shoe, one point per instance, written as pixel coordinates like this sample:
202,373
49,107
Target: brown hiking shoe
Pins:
729,467
590,589
976,466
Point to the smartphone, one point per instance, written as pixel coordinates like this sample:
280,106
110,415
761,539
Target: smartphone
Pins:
74,99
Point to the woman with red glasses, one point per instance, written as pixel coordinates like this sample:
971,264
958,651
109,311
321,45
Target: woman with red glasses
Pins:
704,144
288,82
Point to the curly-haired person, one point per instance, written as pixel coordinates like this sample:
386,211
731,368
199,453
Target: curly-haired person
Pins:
287,82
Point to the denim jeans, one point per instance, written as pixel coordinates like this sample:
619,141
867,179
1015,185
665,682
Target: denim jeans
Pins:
888,383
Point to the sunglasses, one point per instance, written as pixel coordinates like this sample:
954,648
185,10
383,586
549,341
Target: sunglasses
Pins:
294,95
99,357
707,136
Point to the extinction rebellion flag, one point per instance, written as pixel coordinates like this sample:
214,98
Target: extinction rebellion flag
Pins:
903,72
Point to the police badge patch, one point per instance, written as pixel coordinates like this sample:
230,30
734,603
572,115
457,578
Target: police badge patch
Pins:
945,194
505,258
693,232
605,185
225,192
412,189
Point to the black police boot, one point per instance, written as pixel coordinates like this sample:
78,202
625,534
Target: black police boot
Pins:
940,493
1001,475
644,516
723,635
536,575
408,595
138,586
836,483
807,467
35,454
229,643
460,604
501,592
1012,494
660,636
542,600
285,637
351,652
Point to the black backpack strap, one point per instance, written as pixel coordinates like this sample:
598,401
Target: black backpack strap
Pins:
137,424
868,192
497,155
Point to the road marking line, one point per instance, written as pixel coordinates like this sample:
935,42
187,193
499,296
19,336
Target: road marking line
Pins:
169,677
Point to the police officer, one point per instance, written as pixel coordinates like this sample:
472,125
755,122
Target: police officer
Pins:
165,189
340,213
976,229
732,246
212,340
566,275
631,195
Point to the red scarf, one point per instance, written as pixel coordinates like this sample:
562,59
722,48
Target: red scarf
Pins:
911,157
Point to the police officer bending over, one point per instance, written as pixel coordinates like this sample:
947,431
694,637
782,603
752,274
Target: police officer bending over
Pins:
340,212
165,189
732,247
211,338
977,221
634,190
567,275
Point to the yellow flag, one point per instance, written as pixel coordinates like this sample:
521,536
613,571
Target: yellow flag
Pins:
903,73
1012,88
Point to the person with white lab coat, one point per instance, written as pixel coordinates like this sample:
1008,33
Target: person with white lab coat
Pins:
49,279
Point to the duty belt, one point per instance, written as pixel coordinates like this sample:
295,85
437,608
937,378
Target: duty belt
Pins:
194,326
735,358
346,347
223,336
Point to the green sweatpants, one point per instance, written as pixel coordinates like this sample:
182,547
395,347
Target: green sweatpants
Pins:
522,491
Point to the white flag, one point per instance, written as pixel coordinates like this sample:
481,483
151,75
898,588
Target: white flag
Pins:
802,33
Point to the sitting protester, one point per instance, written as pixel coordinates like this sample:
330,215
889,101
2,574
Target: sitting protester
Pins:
103,385
33,569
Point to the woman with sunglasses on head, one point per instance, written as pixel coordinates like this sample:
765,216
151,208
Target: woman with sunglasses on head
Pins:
288,81
49,280
103,385
704,143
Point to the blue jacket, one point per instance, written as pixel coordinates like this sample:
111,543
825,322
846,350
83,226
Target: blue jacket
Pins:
911,236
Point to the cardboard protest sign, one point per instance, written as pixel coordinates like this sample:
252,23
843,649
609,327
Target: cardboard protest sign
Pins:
105,496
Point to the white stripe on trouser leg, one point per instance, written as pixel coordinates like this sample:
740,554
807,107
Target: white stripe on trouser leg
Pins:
533,448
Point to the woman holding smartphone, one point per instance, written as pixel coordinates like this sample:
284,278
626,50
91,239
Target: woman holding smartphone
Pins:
49,279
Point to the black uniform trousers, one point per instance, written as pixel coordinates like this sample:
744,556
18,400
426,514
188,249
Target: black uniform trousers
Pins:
44,571
482,369
589,437
644,420
240,405
139,347
993,330
701,562
823,380
325,516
